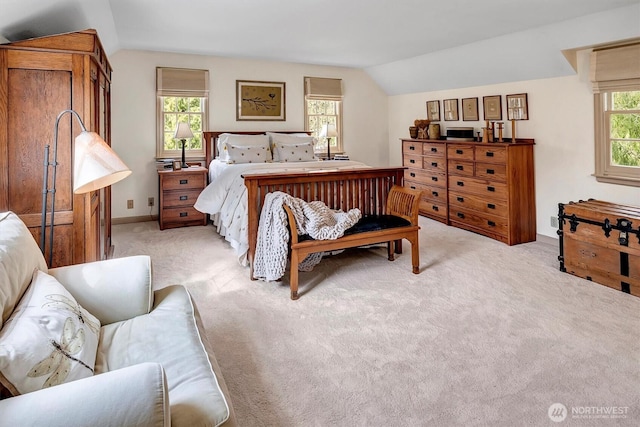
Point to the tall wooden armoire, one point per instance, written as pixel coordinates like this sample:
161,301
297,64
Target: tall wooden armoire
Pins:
39,78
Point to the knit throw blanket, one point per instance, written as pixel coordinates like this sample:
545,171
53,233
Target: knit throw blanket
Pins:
312,218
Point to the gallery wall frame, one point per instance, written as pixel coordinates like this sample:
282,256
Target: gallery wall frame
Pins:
517,107
470,109
433,110
260,100
450,108
492,107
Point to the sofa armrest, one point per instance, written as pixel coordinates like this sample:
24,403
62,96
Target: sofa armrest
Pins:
132,396
112,290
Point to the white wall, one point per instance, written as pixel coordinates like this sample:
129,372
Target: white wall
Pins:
561,122
133,112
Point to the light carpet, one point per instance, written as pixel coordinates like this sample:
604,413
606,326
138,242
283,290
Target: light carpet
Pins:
486,334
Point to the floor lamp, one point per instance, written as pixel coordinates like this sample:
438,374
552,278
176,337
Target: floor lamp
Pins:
95,166
328,131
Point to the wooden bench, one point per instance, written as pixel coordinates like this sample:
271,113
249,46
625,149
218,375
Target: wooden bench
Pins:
400,221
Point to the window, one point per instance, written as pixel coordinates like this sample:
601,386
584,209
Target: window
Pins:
323,104
616,81
182,96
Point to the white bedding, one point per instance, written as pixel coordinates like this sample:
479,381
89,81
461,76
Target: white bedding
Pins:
225,198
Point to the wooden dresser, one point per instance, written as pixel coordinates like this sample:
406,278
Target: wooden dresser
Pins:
179,190
488,188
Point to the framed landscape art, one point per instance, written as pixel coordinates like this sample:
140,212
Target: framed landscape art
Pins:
258,100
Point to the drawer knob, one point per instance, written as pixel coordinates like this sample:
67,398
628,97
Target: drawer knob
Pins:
183,197
411,161
460,167
435,193
489,153
435,208
460,215
434,150
491,223
413,187
183,214
460,184
491,206
490,171
434,178
412,174
492,189
459,152
412,148
460,199
184,181
434,164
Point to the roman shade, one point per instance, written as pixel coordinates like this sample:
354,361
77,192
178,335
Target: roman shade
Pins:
182,82
616,68
318,87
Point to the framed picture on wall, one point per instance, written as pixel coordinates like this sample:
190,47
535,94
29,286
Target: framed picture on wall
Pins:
470,109
257,100
517,107
492,107
450,107
433,111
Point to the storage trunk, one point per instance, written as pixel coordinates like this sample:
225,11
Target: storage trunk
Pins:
600,241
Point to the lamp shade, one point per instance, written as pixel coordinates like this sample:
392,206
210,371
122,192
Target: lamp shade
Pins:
95,165
328,131
183,131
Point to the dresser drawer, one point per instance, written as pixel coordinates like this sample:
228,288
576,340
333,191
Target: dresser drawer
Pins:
433,209
429,192
492,171
460,167
433,149
468,201
412,161
180,198
411,147
181,215
483,188
183,181
434,164
460,152
488,153
481,221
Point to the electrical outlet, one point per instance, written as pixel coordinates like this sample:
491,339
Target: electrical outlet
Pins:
151,201
129,204
554,221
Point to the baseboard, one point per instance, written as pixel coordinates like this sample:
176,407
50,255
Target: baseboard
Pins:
132,219
546,239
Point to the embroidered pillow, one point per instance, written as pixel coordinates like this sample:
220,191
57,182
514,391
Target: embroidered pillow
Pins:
288,139
227,139
295,152
248,154
48,340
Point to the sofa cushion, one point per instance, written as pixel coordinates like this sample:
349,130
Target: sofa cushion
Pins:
19,256
170,335
48,340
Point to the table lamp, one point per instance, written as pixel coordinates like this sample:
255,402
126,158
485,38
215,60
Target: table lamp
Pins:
328,131
183,131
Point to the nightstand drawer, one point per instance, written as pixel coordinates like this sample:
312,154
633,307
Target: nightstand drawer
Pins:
180,198
181,215
184,180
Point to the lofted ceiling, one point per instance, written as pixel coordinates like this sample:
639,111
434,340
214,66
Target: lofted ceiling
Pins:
366,34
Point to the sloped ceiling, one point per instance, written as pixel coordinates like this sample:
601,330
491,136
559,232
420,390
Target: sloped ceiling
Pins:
405,45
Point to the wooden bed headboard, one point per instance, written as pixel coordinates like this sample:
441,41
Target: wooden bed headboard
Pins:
210,138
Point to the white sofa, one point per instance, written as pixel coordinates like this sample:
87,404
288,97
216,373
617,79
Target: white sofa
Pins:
153,364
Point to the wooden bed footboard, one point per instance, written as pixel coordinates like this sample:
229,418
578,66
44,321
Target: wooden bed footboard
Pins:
366,189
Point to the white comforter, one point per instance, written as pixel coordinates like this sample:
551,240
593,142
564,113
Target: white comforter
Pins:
225,198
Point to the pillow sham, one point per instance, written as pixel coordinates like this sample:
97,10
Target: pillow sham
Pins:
48,340
288,139
302,152
248,154
226,139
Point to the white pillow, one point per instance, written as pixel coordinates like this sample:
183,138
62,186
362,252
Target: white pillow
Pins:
226,139
248,153
48,340
302,152
286,139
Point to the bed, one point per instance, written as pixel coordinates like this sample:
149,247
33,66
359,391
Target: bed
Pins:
235,192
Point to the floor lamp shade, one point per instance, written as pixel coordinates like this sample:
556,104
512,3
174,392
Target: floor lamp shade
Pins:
96,165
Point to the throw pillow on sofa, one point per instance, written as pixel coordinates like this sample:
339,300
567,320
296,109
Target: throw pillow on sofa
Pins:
48,340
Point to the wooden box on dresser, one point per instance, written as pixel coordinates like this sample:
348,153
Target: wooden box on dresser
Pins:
489,187
40,78
600,241
179,190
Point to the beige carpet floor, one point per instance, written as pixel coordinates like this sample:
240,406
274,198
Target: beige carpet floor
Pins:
486,334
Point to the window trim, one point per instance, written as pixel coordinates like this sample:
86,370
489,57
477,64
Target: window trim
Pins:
339,148
325,89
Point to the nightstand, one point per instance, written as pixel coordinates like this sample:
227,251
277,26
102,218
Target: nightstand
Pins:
178,192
